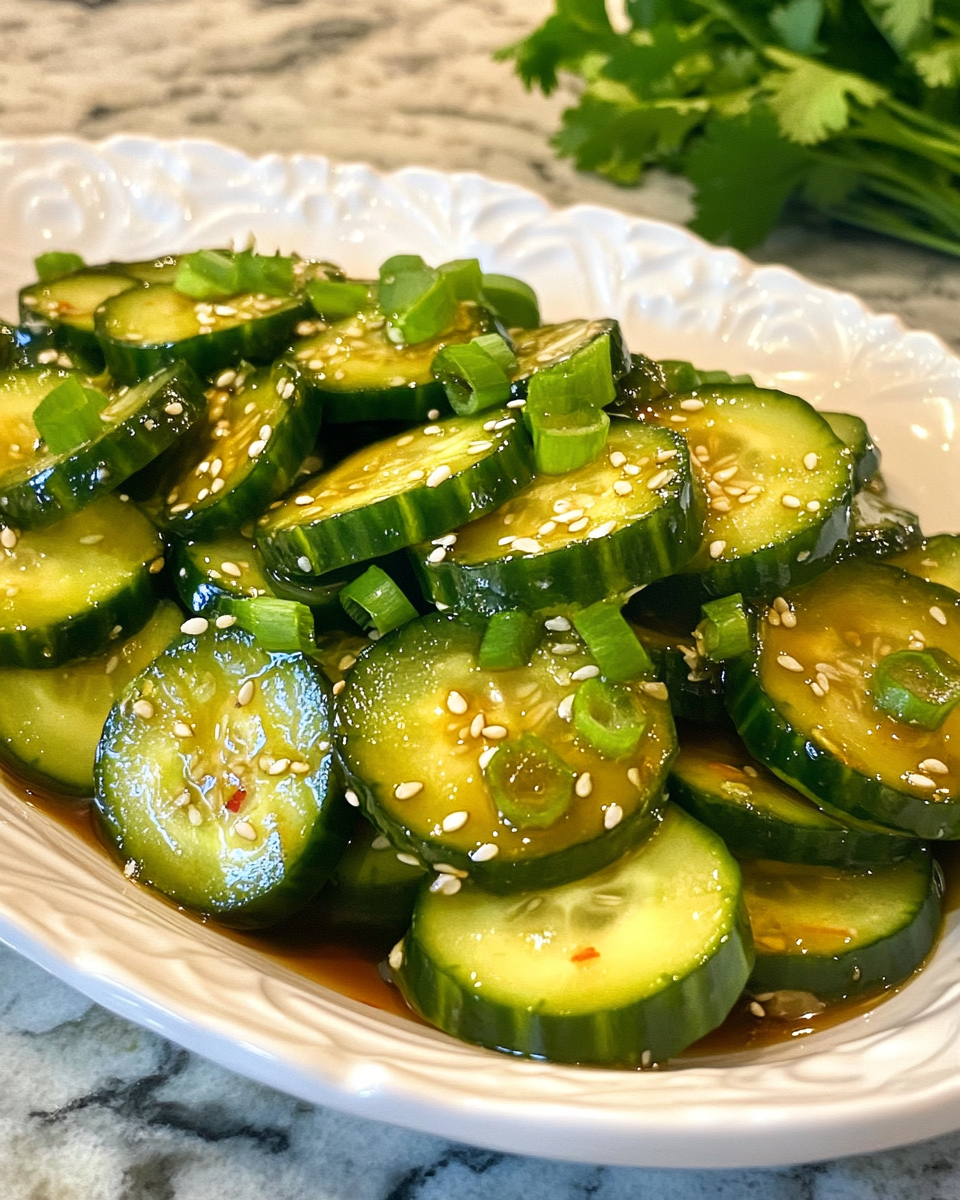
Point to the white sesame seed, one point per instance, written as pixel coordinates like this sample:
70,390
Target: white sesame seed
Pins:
789,501
725,474
720,504
486,756
489,426
823,681
305,565
920,781
757,1009
245,695
438,475
477,724
173,409
446,885
526,545
577,526
92,539
300,768
245,830
633,774
380,843
494,733
255,449
587,672
564,648
46,356
547,528
691,405
584,785
457,704
8,538
265,431
617,458
194,626
519,403
934,766
193,815
437,555
789,663
225,621
803,556
409,860
351,798
129,868
454,821
613,816
505,423
602,530
430,430
938,614
231,569
485,852
557,625
817,690
433,414
112,663
813,506
143,708
116,631
478,447
623,487
225,379
302,500
655,689
661,479
811,460
406,791
182,730
789,619
717,548
395,957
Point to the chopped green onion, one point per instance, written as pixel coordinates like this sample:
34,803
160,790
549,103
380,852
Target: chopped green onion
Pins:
464,276
609,717
612,642
401,263
57,263
276,624
268,274
476,374
530,784
375,602
509,641
69,415
511,301
418,302
680,376
334,299
724,631
208,275
584,380
564,443
917,687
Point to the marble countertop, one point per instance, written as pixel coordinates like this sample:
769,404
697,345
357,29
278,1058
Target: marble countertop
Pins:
92,1107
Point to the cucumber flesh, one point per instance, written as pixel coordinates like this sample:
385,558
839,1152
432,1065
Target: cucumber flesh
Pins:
836,934
937,560
853,432
420,724
545,347
592,533
51,721
879,528
624,968
66,308
188,788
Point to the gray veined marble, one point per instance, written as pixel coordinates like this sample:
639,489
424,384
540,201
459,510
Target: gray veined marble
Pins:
91,1107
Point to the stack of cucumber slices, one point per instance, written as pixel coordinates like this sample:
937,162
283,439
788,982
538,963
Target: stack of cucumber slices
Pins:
603,696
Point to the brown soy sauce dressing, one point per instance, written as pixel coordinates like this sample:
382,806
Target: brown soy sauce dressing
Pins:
304,947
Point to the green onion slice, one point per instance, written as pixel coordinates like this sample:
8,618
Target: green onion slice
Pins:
612,642
69,415
464,276
207,275
508,641
511,301
418,302
276,624
57,263
564,443
609,717
335,299
530,785
582,381
271,275
917,687
724,631
375,602
475,374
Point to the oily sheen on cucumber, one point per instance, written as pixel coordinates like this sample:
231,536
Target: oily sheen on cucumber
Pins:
694,684
937,560
624,968
802,700
459,765
232,745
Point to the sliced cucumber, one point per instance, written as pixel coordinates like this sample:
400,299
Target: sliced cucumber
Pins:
937,560
38,487
878,528
51,721
853,432
337,652
358,374
143,329
215,779
69,590
836,933
395,493
66,306
611,526
483,771
624,968
715,780
256,435
749,442
802,702
546,346
695,686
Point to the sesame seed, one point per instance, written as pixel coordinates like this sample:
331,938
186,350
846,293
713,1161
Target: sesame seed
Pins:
225,620
225,379
179,508
438,476
587,672
789,501
92,539
751,771
691,405
577,526
193,815
143,708
278,766
116,631
430,430
305,565
661,479
726,473
526,545
817,690
494,733
478,447
813,506
720,504
557,625
920,781
757,1009
789,663
245,830
405,440
245,695
406,791
457,704
623,487
8,538
564,648
613,816
380,843
217,486
299,768
203,493
519,403
938,614
485,757
255,449
45,356
409,860
657,690
781,605
346,662
112,663
231,568
547,528
454,821
823,681
811,460
302,500
584,785
505,423
803,556
617,458
789,619
485,852
182,730
565,708
489,426
633,774
446,885
173,409
433,414
437,555
934,766
717,548
602,530
129,868
194,626
351,798
477,725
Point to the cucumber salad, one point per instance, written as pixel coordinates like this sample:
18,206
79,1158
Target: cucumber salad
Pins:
605,696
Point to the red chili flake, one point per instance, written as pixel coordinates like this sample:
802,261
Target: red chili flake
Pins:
585,955
236,800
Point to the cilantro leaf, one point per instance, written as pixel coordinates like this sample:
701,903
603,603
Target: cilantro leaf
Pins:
810,100
798,23
744,172
939,65
904,23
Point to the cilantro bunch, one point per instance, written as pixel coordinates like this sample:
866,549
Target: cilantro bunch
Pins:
849,106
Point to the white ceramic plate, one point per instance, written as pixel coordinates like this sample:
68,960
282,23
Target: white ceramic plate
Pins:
887,1078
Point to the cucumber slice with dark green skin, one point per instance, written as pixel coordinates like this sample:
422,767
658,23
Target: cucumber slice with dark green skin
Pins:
69,590
146,328
38,487
879,529
420,726
836,747
246,455
548,345
215,779
573,539
853,432
358,374
715,779
625,968
695,686
51,721
836,933
337,652
66,306
395,493
744,442
372,892
937,560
